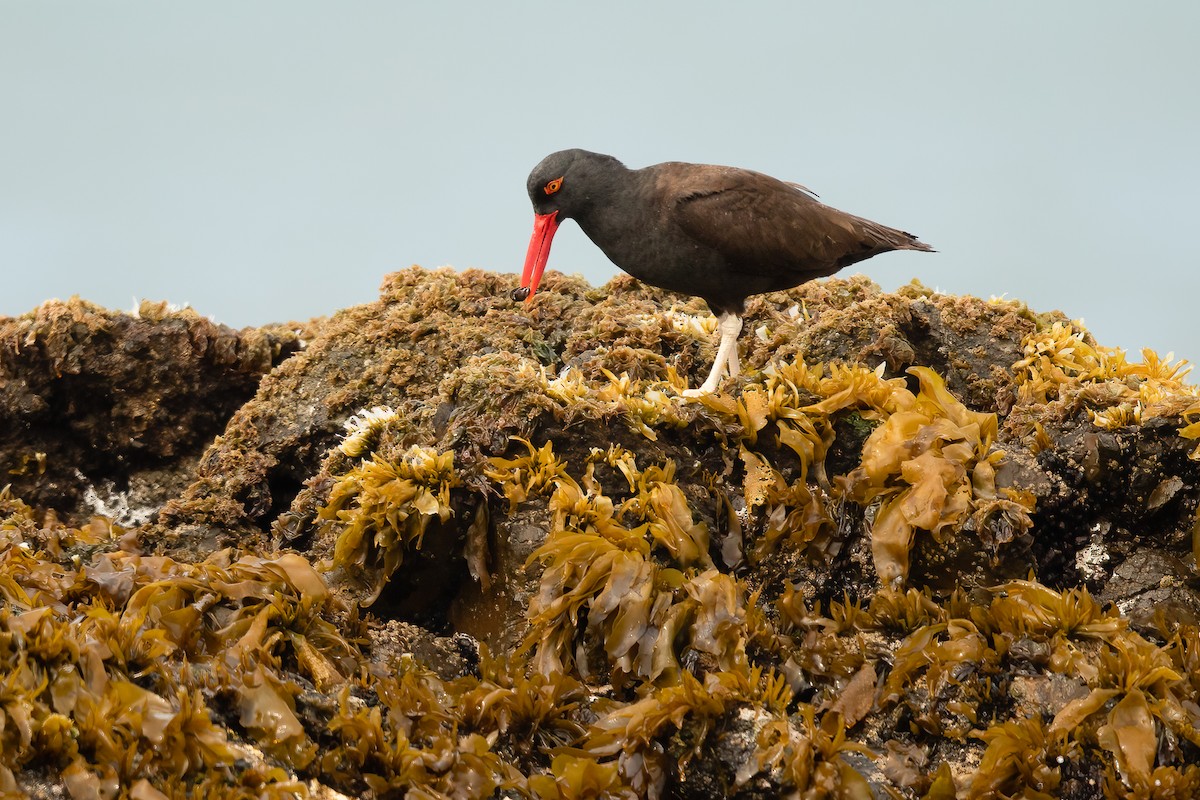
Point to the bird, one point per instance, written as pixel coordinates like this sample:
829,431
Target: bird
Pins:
719,233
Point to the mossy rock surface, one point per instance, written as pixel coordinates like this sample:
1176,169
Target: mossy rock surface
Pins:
445,544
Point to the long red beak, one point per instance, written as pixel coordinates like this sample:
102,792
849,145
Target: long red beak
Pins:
544,226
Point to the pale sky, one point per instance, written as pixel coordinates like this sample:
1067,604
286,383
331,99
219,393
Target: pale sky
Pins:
272,160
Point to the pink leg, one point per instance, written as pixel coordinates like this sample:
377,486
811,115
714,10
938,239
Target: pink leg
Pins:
729,326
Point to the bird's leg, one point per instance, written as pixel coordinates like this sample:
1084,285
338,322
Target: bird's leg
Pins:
732,361
729,325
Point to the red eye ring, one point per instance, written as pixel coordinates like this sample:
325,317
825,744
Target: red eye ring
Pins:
553,186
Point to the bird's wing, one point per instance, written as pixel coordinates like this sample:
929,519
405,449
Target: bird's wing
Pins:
764,226
803,188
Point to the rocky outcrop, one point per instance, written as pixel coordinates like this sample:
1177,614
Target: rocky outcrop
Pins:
106,411
455,545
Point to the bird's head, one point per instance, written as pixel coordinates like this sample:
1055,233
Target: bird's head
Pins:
559,189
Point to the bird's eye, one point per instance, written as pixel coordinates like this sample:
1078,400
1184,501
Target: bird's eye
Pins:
553,186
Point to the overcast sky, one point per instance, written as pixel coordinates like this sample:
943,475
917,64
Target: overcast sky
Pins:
267,161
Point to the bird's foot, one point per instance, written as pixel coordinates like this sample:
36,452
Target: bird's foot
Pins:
708,387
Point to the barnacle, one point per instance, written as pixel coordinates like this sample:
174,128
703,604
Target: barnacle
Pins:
363,429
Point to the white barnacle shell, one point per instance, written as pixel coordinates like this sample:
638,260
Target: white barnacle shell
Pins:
363,427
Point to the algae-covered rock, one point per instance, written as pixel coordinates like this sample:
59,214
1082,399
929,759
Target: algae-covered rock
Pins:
925,546
105,410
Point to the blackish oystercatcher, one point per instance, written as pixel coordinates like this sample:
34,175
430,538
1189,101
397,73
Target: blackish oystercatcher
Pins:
719,233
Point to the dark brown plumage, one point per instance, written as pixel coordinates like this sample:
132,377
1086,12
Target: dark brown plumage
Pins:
720,233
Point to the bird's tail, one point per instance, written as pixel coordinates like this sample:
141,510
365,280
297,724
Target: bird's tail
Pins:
894,238
913,243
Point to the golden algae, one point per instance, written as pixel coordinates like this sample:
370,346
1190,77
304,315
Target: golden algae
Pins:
735,596
381,507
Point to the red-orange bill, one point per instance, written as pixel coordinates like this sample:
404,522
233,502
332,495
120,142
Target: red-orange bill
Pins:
544,226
